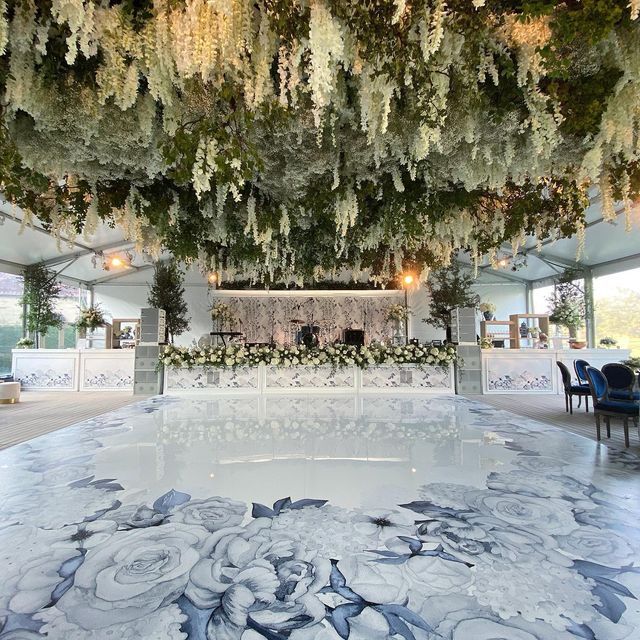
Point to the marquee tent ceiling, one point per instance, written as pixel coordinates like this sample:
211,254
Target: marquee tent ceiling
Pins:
608,247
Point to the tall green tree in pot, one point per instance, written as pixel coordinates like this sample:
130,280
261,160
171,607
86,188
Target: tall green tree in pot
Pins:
167,292
39,294
449,288
567,303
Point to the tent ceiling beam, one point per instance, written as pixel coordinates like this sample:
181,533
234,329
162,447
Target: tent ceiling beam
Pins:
120,244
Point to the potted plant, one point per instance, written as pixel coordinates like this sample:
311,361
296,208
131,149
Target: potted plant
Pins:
396,314
488,310
449,288
568,306
220,314
25,343
167,292
534,332
90,318
608,342
40,291
486,343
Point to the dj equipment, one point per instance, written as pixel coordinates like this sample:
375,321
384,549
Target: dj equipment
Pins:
223,335
354,337
309,335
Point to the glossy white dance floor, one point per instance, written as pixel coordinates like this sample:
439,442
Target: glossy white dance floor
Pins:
296,518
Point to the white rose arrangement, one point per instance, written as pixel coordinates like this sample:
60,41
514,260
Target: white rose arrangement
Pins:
335,356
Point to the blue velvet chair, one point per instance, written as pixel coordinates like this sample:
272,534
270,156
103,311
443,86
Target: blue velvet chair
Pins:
580,367
622,381
571,389
608,408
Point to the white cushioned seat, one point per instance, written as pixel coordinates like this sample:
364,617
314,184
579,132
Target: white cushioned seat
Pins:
9,392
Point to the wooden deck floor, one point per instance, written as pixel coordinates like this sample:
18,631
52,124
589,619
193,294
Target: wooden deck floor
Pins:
40,412
550,409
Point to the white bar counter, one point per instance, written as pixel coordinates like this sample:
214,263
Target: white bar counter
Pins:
275,380
74,369
535,370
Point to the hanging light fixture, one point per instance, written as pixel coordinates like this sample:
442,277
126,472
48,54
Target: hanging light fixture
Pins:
117,261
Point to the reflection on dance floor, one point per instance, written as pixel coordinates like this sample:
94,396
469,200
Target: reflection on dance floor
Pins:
318,518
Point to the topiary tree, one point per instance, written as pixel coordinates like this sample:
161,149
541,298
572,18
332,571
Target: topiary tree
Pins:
167,292
39,294
450,287
567,302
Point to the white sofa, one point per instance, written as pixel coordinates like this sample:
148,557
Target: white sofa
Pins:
9,392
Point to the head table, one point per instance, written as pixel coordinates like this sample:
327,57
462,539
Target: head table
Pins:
501,370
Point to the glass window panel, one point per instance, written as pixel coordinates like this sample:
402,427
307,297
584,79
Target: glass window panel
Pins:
617,309
10,317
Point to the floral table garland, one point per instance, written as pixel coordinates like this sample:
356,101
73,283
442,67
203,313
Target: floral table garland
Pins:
336,356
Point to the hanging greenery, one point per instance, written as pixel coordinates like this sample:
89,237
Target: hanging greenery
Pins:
39,294
167,292
288,140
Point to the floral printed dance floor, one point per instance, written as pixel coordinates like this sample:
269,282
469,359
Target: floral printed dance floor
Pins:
318,518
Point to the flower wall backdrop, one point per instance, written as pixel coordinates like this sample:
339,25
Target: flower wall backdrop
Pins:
288,140
266,319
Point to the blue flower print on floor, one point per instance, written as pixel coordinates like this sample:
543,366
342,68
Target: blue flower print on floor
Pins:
545,551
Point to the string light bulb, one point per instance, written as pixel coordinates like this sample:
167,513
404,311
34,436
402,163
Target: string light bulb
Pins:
213,278
408,279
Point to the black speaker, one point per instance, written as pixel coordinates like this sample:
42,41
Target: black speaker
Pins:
354,337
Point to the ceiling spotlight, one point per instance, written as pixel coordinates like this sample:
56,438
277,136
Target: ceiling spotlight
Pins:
117,261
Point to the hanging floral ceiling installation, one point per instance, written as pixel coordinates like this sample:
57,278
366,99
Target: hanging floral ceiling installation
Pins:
287,140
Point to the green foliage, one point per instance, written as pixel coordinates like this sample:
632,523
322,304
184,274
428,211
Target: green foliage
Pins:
70,154
167,292
617,314
449,288
567,303
40,292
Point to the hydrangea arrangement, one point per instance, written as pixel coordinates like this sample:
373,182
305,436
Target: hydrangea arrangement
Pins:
335,356
288,140
220,311
90,317
396,313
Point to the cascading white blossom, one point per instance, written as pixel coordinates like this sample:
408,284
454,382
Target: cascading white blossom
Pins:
326,45
168,72
4,27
